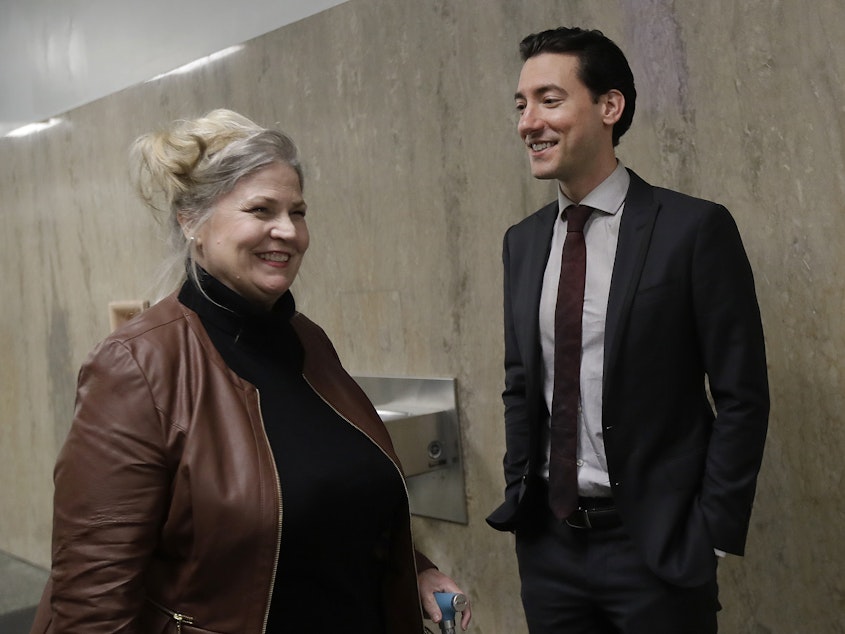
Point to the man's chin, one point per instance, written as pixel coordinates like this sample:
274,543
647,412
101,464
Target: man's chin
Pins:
543,174
542,170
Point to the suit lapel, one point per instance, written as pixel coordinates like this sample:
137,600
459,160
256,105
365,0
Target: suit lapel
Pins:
538,255
634,238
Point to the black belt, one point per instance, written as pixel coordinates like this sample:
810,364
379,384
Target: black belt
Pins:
595,514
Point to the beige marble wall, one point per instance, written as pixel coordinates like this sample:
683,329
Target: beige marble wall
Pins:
403,111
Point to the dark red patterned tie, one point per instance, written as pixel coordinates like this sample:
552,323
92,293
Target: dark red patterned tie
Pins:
563,474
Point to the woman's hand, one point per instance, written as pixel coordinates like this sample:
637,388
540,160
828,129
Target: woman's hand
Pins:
431,581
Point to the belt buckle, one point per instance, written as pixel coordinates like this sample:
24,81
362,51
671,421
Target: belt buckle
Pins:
583,515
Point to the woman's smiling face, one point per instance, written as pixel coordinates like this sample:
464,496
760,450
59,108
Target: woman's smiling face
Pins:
256,237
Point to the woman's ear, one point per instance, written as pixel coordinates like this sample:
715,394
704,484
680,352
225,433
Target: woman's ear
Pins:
182,219
187,229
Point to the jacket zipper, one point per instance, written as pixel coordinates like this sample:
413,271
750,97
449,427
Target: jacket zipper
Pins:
366,435
279,530
176,616
181,618
184,618
386,455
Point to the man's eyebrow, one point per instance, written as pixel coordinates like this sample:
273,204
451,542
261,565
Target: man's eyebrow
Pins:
540,90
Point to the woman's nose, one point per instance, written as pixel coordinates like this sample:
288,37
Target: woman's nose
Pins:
283,228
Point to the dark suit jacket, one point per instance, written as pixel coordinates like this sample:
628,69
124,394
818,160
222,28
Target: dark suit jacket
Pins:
682,307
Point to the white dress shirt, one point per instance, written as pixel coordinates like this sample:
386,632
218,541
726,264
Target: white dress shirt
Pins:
601,235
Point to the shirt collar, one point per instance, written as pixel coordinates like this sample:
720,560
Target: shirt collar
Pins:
610,194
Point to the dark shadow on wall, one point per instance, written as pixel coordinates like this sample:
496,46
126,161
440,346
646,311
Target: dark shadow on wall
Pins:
17,621
21,585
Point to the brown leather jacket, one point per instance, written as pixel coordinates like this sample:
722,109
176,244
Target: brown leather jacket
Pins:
167,511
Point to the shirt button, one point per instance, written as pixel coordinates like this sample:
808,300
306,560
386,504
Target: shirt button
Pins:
580,462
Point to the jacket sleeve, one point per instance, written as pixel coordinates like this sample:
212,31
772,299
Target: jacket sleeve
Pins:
111,492
514,395
732,346
517,414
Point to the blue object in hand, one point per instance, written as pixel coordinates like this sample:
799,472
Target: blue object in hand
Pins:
449,603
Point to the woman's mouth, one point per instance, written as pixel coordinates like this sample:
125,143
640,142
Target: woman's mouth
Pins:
274,256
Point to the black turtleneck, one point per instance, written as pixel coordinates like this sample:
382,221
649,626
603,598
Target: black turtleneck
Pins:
339,491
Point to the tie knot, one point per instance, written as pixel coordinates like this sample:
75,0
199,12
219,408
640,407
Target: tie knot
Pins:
576,217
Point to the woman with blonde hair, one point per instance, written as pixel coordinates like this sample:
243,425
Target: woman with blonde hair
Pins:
223,472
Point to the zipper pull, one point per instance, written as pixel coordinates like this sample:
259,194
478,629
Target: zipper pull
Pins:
181,618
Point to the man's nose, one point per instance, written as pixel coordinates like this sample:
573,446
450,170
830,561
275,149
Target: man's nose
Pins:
528,121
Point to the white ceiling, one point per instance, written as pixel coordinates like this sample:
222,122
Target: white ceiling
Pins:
56,55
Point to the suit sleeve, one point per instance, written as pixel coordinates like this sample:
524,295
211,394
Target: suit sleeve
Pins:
732,346
514,395
111,491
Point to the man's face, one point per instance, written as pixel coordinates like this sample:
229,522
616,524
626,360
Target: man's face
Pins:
568,134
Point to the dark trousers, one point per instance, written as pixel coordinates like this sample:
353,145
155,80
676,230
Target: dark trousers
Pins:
577,581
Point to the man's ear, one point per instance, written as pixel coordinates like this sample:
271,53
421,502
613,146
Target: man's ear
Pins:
613,103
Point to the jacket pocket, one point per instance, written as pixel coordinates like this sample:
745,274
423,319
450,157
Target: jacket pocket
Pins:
682,472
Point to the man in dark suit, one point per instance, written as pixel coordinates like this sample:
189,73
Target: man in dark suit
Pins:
671,388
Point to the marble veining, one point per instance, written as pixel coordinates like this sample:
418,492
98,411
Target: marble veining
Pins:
403,111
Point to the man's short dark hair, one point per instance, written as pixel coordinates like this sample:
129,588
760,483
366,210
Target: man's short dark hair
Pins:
601,65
